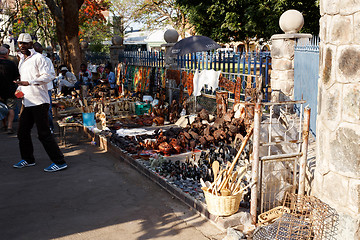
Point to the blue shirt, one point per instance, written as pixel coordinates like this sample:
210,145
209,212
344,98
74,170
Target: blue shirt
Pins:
111,79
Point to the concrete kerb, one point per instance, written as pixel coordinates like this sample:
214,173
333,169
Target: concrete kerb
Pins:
221,222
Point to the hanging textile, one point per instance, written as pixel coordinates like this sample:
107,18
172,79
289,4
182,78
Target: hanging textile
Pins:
189,83
183,77
237,90
163,79
227,84
146,80
137,79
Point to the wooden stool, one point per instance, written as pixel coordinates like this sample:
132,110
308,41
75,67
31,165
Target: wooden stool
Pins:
64,128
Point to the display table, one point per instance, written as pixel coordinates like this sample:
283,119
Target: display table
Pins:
66,128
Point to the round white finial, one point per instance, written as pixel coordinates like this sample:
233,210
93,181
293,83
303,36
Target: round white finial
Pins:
291,21
171,36
117,40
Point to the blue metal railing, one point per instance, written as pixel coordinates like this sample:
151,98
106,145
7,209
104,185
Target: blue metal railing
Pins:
253,63
143,58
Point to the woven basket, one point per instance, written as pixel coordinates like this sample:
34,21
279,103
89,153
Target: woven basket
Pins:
272,215
222,205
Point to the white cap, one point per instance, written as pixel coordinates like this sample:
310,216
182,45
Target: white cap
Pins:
64,69
24,37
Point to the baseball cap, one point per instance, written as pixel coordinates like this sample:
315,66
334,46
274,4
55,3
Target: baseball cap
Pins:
64,69
24,37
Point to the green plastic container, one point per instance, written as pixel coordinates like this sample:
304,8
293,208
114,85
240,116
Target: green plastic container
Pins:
142,108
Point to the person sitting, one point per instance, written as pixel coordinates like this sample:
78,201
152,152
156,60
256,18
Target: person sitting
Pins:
85,75
96,77
84,82
65,81
110,78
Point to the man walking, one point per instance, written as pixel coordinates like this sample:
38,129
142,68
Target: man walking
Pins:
8,74
35,75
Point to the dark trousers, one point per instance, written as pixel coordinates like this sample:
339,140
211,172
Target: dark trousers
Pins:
51,123
39,116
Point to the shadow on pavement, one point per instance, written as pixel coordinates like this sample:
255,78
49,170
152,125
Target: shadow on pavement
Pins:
97,197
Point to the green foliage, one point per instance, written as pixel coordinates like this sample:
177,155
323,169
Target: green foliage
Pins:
35,18
237,20
98,46
93,25
153,13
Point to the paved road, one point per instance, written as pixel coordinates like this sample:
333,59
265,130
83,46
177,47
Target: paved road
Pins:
97,197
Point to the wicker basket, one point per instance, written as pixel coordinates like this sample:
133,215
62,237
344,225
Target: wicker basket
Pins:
222,205
272,215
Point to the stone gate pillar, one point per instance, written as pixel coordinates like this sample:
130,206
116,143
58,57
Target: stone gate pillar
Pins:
282,54
337,174
171,36
116,50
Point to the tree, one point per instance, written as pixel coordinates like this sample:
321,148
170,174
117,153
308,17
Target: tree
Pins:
238,20
61,22
125,11
34,17
155,13
93,25
66,16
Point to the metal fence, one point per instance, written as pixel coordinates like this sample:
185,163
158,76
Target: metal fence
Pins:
97,58
230,64
143,58
306,75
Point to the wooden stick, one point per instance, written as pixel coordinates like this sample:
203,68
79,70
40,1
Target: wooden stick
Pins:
233,180
240,191
246,139
241,175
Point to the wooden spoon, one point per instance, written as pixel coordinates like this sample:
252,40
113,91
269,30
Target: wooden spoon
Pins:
202,182
215,168
205,189
242,147
241,174
233,179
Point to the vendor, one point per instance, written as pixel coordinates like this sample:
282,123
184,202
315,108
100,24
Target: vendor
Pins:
84,83
84,76
110,78
97,76
65,81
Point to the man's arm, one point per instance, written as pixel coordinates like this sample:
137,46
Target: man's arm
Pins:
46,74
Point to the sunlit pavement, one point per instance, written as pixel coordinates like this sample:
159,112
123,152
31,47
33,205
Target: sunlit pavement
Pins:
97,197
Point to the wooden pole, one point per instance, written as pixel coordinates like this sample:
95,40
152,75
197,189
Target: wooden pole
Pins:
255,163
304,150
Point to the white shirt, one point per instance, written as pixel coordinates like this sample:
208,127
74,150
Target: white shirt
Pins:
50,85
37,72
69,76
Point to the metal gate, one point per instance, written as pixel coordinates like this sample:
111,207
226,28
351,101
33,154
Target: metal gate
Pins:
306,75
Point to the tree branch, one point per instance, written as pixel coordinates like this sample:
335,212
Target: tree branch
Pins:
38,20
55,10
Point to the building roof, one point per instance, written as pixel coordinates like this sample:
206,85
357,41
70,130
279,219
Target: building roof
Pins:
136,37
